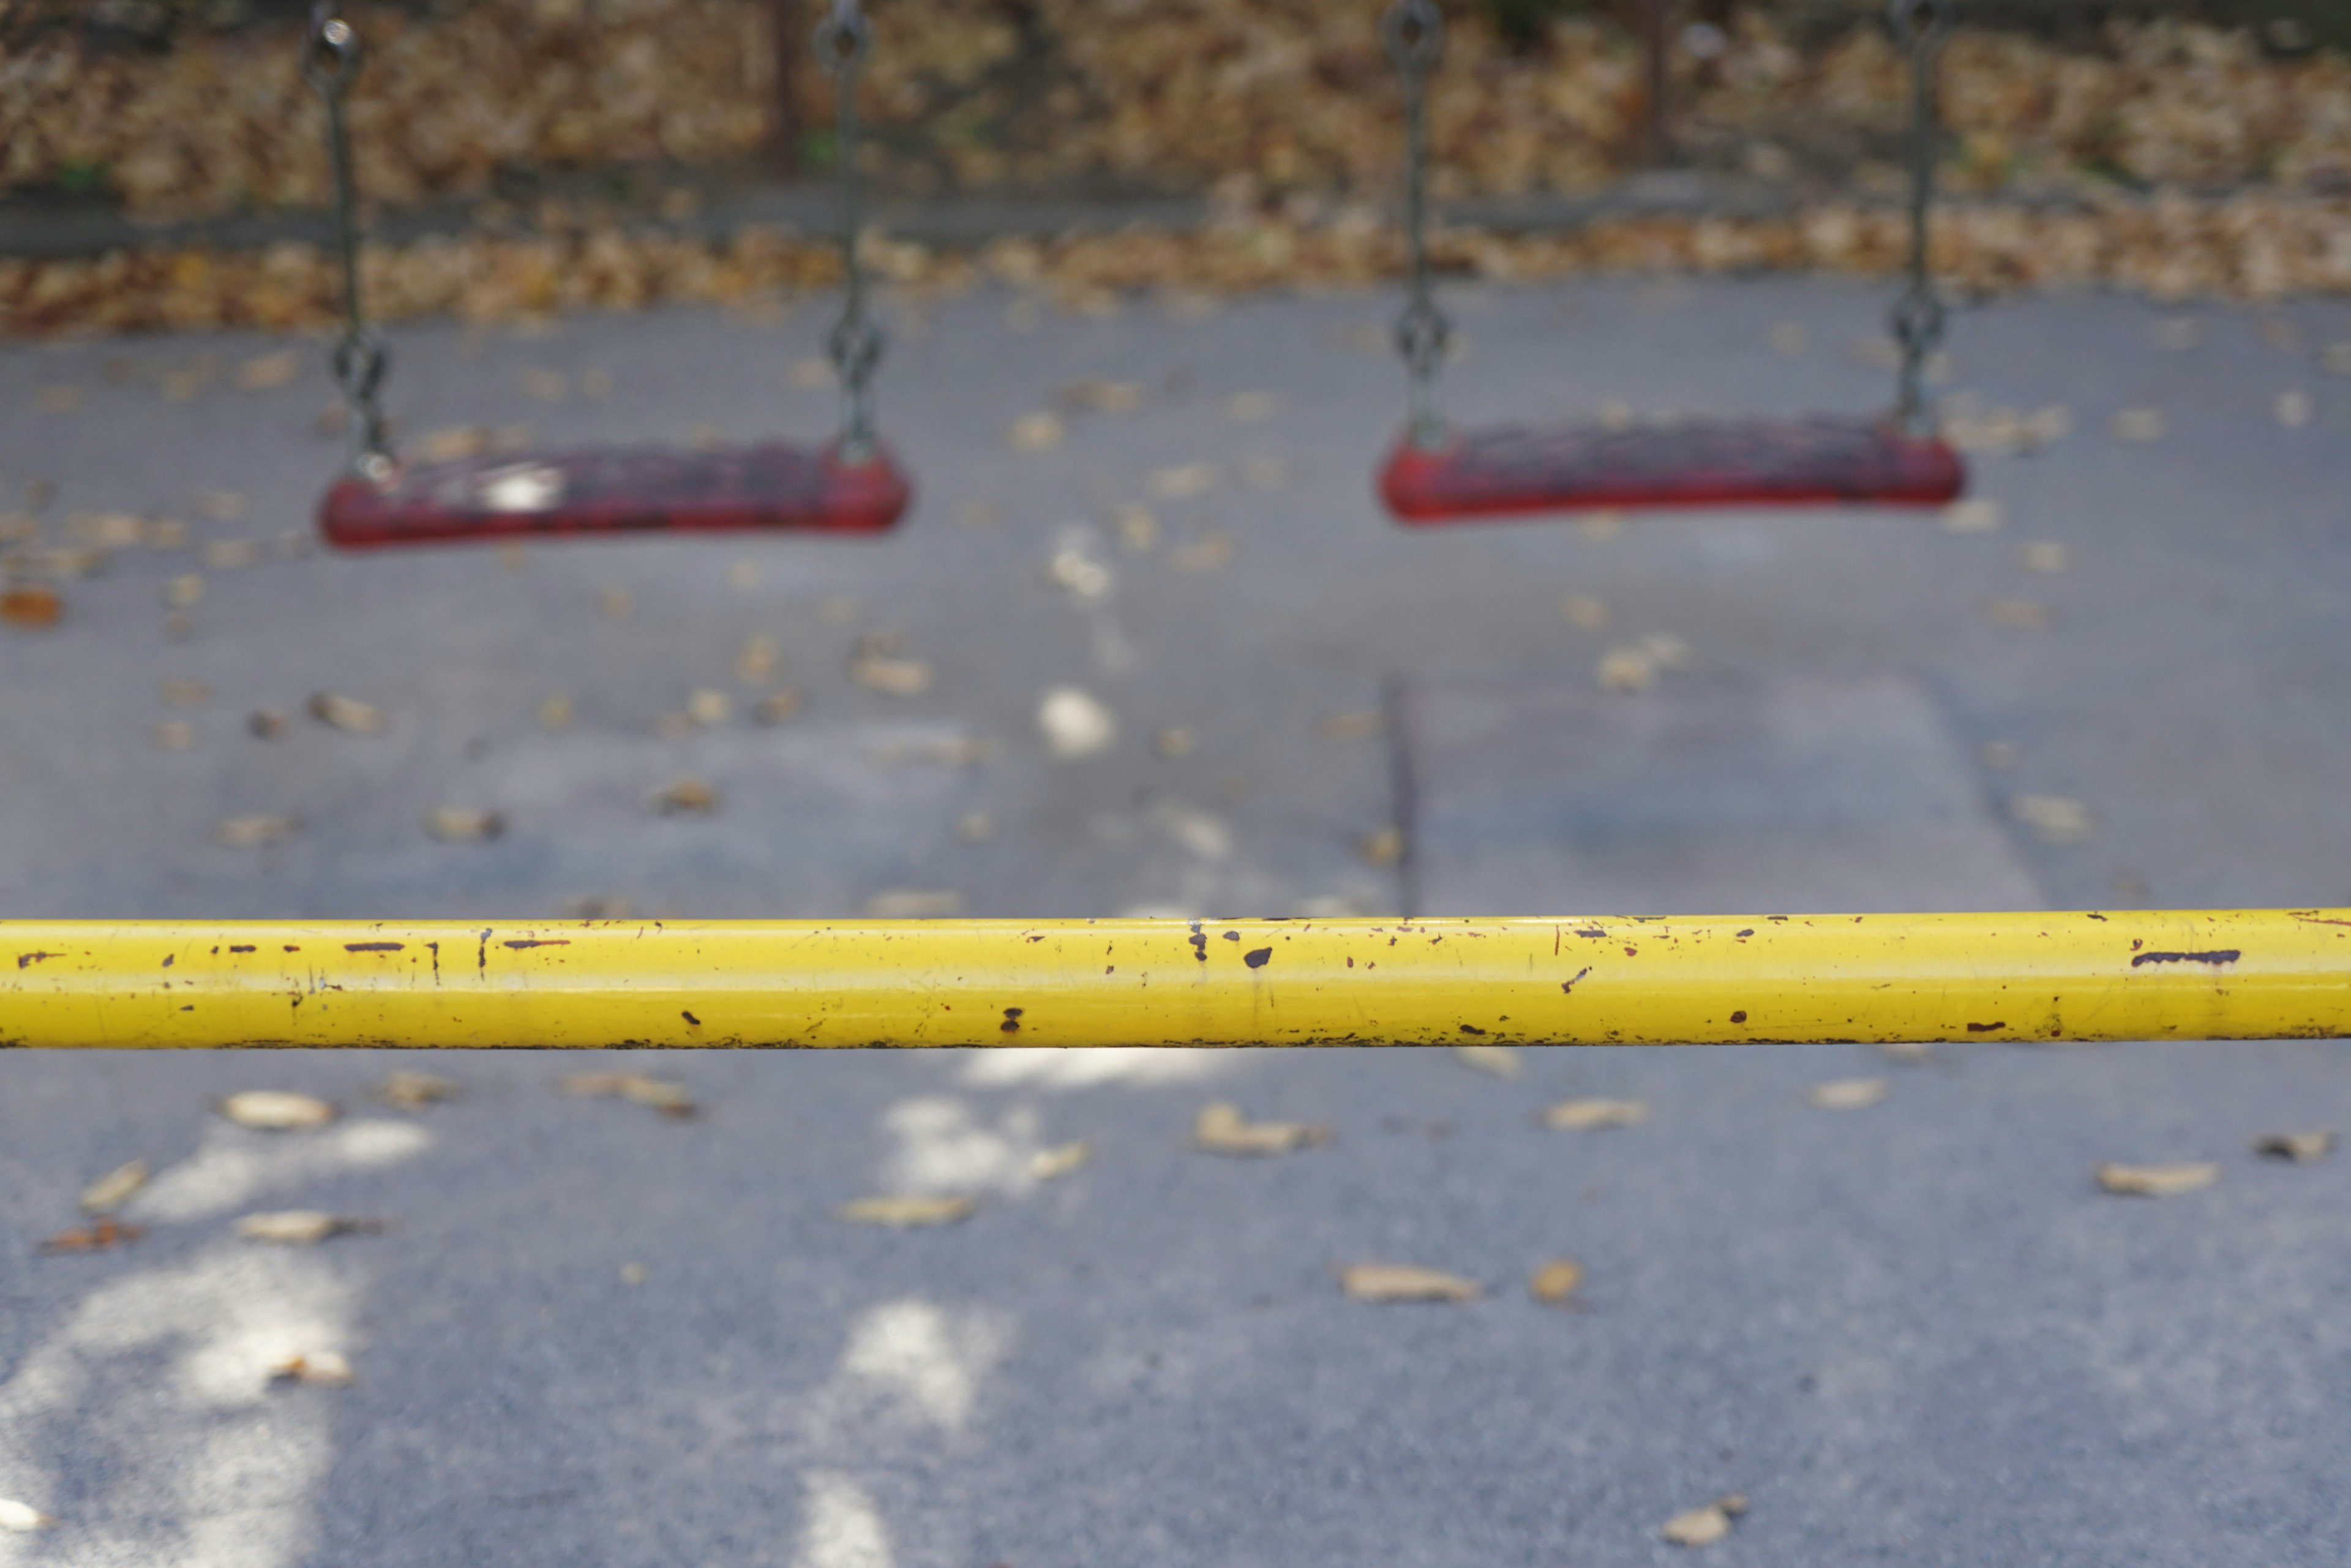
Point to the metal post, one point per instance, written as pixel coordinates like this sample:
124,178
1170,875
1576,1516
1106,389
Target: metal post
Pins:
2031,976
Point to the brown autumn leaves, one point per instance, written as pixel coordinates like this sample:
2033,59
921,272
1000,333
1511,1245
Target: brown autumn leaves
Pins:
1286,105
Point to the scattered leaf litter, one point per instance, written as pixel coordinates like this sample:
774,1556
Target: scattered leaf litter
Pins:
1075,723
1138,528
1590,1115
409,1091
1404,1282
778,706
2159,1180
1221,1129
1065,1159
664,1095
276,1111
1207,553
115,1189
302,1227
2302,1148
709,707
890,673
1499,1060
1381,848
1848,1093
1627,669
908,1211
1556,1281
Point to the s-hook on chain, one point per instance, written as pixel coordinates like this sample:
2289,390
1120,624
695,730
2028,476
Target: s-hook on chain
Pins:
1920,27
1414,31
842,41
331,62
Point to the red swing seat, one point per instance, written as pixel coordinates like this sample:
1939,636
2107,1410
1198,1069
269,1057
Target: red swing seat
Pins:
768,486
1502,470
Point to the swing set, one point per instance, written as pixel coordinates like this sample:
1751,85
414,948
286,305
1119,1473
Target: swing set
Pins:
1436,473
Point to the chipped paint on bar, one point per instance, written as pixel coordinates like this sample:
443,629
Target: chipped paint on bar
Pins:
1587,980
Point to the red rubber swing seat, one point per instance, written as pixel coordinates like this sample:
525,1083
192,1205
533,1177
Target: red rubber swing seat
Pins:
1504,470
768,486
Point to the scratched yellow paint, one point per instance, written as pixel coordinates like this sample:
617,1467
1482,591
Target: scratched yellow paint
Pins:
2198,974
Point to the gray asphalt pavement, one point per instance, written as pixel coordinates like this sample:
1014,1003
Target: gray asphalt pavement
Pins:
1917,1333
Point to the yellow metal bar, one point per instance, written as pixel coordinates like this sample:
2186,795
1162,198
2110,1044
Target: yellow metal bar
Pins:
2208,974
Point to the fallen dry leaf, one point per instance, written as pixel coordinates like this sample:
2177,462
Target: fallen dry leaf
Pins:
347,714
230,555
187,694
915,903
778,706
2159,1180
1556,1281
685,797
106,531
1183,479
2300,1147
276,1109
1848,1093
662,1094
2018,614
1704,1526
2293,409
1381,848
265,724
1590,1115
221,505
1207,553
2045,556
1629,669
1084,576
709,706
758,659
406,1091
1499,1060
975,826
890,674
2054,819
318,1368
743,576
458,825
175,734
302,1227
1051,1165
112,1190
107,1233
185,592
1175,741
634,1274
1075,724
1220,1129
555,713
1404,1282
2140,425
1039,431
258,831
1102,397
1585,613
907,1211
31,605
1975,516
268,371
22,1517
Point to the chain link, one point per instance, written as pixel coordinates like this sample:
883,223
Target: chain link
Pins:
1414,31
330,63
1920,27
842,41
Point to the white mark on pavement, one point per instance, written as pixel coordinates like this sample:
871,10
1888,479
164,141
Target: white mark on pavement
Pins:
1042,1067
935,1362
840,1527
234,1165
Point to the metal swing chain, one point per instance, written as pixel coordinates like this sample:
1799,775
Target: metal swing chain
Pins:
331,62
842,41
1414,31
1920,27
